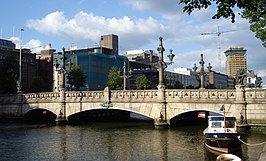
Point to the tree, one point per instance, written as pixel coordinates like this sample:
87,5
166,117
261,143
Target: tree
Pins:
114,80
76,77
142,82
253,10
9,75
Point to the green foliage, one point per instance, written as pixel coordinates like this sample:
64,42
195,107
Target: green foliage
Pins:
253,10
114,80
76,77
142,82
256,14
9,75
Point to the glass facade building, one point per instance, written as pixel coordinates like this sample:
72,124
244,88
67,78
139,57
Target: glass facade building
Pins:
94,63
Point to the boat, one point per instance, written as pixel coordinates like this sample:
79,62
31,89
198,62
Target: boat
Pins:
221,135
230,157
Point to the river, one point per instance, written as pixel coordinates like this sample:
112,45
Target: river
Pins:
111,142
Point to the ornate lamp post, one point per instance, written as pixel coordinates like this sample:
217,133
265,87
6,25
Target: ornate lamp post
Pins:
161,65
63,70
125,75
202,72
19,83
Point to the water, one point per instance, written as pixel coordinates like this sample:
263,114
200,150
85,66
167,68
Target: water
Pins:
111,142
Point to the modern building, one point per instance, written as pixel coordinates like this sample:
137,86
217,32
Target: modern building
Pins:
95,63
218,80
235,60
109,42
187,77
28,66
152,76
142,56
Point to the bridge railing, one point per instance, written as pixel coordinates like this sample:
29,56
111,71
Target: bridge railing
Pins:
41,97
200,95
91,96
134,95
258,95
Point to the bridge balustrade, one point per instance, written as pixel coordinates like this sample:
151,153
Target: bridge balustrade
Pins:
41,97
136,95
256,94
92,96
194,94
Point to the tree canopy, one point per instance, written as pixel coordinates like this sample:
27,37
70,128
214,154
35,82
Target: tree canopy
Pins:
115,81
9,75
253,10
76,77
142,82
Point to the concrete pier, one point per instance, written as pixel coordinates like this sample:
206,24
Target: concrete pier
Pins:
263,154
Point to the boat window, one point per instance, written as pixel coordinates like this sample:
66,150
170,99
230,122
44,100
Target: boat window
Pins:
216,124
230,124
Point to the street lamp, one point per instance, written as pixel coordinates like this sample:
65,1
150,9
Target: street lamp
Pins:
161,65
19,83
125,75
202,72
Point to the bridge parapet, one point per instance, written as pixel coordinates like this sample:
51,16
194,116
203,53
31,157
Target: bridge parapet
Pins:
40,97
200,95
84,96
134,95
258,95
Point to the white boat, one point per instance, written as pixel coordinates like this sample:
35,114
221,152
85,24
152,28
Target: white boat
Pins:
221,135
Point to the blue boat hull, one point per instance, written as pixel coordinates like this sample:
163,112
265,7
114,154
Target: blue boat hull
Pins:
222,142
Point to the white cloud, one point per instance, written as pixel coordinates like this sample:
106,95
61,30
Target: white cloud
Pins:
181,32
87,27
15,40
34,45
262,73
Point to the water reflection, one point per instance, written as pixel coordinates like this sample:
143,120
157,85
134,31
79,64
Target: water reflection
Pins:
109,141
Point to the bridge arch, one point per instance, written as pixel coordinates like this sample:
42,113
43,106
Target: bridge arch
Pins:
196,110
192,117
107,114
40,115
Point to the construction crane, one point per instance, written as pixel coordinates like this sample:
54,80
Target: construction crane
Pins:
218,33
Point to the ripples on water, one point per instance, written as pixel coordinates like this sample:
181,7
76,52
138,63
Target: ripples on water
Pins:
107,141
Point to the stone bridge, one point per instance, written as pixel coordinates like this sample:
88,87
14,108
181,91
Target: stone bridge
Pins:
160,105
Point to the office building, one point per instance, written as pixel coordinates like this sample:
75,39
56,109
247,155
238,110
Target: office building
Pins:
235,60
28,63
110,42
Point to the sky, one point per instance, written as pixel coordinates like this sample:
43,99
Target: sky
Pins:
78,24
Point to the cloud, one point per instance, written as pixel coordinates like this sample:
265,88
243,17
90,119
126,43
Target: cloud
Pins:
181,32
262,73
34,45
15,40
87,27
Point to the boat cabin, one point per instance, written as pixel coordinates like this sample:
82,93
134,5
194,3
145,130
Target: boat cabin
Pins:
221,124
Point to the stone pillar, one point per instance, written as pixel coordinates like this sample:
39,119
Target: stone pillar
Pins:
161,120
107,97
61,117
20,101
241,104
